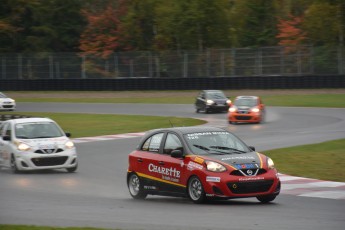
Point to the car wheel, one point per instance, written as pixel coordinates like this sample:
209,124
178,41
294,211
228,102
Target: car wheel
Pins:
266,199
135,187
14,166
73,169
195,190
197,111
207,110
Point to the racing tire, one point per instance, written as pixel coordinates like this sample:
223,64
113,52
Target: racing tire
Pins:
195,190
135,187
14,166
266,199
73,169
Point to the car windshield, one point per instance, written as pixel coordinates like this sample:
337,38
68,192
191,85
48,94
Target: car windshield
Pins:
215,95
37,130
216,142
2,95
249,102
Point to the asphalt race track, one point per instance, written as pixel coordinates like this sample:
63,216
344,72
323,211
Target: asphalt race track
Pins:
96,195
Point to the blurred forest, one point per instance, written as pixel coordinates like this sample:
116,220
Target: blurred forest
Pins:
102,27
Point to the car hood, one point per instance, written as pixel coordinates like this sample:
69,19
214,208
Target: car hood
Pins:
6,100
46,143
243,107
219,100
239,160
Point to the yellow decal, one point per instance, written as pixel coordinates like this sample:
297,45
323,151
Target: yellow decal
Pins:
199,160
260,159
160,180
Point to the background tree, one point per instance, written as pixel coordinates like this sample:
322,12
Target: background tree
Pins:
200,24
290,33
40,25
323,24
259,26
102,35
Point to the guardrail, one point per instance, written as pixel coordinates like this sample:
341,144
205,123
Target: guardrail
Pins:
257,82
261,61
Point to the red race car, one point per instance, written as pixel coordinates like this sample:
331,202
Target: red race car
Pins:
248,109
200,163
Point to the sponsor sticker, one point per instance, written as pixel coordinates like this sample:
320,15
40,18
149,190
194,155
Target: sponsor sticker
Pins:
246,166
238,158
193,165
212,179
251,178
150,187
168,172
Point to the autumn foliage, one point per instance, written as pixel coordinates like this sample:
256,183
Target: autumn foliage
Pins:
102,35
290,33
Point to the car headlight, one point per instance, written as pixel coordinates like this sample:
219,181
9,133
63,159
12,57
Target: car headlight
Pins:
232,109
214,166
228,102
22,146
270,163
69,144
209,102
255,110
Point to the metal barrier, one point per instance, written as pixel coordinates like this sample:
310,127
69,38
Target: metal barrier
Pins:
263,61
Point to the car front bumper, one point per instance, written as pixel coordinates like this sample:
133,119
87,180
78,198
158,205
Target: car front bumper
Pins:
33,161
240,187
250,118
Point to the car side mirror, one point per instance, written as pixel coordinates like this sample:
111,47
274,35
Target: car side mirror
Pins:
176,153
252,148
68,134
6,138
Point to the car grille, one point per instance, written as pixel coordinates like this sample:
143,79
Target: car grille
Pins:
243,118
243,111
245,172
250,186
48,151
49,161
7,106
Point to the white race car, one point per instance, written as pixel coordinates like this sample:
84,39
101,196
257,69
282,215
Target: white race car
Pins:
7,103
34,144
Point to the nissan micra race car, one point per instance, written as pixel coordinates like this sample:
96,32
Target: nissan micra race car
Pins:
200,163
34,144
249,109
6,103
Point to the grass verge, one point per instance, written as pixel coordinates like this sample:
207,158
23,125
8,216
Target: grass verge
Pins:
31,227
324,161
88,125
270,97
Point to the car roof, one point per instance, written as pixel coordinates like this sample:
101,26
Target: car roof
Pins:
213,91
31,119
247,97
191,129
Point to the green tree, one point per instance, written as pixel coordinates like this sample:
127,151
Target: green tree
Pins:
40,25
259,26
139,24
324,24
199,24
